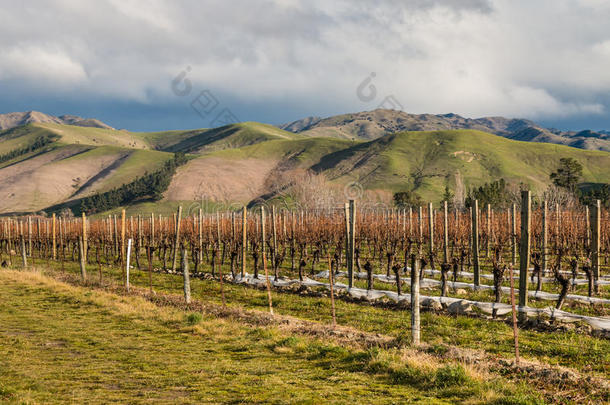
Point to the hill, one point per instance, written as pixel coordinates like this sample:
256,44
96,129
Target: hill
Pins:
427,161
48,165
16,119
374,124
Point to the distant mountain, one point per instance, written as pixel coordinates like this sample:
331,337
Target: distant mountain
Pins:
374,124
16,119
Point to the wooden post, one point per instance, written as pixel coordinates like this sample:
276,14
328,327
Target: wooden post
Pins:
415,321
127,264
488,226
222,291
514,313
545,236
352,239
524,249
23,250
410,221
139,231
514,236
431,227
122,237
152,229
29,235
85,239
557,219
445,233
10,247
186,276
475,243
176,239
81,256
420,224
244,240
54,238
348,261
595,234
274,241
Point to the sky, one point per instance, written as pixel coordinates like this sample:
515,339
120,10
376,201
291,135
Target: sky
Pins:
160,64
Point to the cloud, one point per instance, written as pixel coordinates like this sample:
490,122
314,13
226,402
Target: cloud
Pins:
474,57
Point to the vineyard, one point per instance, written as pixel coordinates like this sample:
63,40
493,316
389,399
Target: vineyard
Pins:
465,258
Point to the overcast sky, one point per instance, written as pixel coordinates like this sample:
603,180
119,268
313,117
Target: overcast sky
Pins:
150,64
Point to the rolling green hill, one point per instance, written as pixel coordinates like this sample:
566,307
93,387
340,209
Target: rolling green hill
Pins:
237,163
428,161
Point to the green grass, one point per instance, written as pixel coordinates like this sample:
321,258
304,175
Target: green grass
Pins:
427,161
225,137
108,348
566,348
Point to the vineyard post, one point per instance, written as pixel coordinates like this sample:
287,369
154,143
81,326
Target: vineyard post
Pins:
186,276
200,237
557,218
38,234
404,223
218,263
514,235
488,225
115,236
415,321
524,249
545,236
431,227
348,262
23,252
139,231
421,229
127,264
244,240
514,313
410,221
265,260
29,236
81,257
445,233
122,237
150,258
274,241
10,247
54,241
176,239
84,236
595,233
352,239
475,242
588,226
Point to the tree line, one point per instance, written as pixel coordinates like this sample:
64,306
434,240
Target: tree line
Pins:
38,143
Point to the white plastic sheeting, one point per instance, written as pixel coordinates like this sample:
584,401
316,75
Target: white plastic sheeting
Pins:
431,283
486,307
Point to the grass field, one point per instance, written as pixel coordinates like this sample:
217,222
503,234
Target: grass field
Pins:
478,345
105,347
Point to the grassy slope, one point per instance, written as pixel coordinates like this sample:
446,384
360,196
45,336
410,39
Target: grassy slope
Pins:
135,163
107,348
428,161
96,136
226,137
